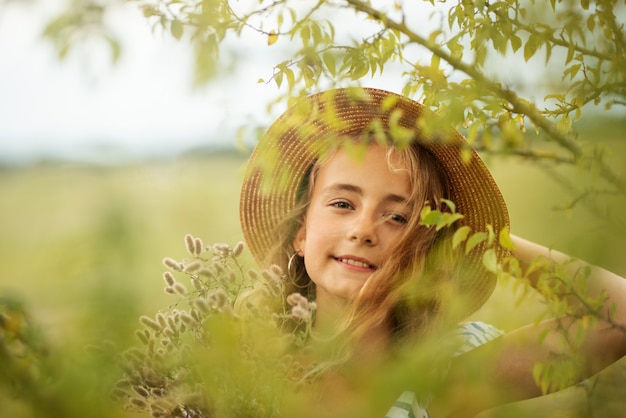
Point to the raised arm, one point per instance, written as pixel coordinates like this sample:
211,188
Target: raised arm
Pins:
502,371
600,280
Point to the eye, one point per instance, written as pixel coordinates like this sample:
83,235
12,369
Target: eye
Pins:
397,218
341,204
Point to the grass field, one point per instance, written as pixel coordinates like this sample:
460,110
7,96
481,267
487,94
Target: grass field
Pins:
82,245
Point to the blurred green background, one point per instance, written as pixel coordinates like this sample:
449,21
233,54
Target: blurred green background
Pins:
81,244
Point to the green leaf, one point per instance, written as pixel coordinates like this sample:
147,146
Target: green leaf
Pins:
177,29
532,44
591,23
571,50
559,97
491,236
460,235
272,38
317,33
572,71
290,77
474,240
504,239
490,260
565,124
329,61
516,42
305,34
116,48
430,218
55,26
278,78
481,55
450,204
447,219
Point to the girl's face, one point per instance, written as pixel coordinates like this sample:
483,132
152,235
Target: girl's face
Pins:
357,212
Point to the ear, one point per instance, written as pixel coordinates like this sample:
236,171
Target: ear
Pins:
300,240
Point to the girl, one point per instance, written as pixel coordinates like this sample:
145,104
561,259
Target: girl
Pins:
335,194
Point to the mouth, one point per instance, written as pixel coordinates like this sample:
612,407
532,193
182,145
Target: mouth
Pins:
356,262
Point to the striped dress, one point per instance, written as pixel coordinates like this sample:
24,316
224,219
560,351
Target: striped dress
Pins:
469,335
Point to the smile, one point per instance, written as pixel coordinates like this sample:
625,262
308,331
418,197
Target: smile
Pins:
356,263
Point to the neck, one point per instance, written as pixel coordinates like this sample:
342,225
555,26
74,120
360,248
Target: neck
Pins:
330,314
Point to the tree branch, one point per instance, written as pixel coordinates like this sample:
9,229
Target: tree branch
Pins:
566,140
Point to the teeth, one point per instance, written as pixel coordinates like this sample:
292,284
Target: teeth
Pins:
354,262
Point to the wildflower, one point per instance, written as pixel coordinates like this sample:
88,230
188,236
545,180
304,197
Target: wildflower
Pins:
273,280
202,305
190,244
222,250
149,322
122,383
134,355
218,299
141,391
187,319
197,284
180,289
193,267
296,299
253,275
276,270
171,321
195,315
238,249
161,320
300,312
140,403
173,264
159,392
161,406
142,336
205,272
217,266
118,394
198,246
168,278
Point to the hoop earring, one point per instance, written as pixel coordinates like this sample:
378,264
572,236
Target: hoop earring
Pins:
293,276
290,263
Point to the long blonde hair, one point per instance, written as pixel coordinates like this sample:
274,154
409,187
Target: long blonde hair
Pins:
404,292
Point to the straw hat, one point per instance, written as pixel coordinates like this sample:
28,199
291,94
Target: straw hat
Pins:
284,155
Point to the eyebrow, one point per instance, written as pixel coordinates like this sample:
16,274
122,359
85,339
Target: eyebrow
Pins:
343,187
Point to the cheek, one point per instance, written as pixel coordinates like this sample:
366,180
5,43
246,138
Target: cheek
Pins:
390,239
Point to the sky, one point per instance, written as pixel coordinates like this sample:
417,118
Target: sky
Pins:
143,105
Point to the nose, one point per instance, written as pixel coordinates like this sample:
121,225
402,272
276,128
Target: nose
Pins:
363,229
